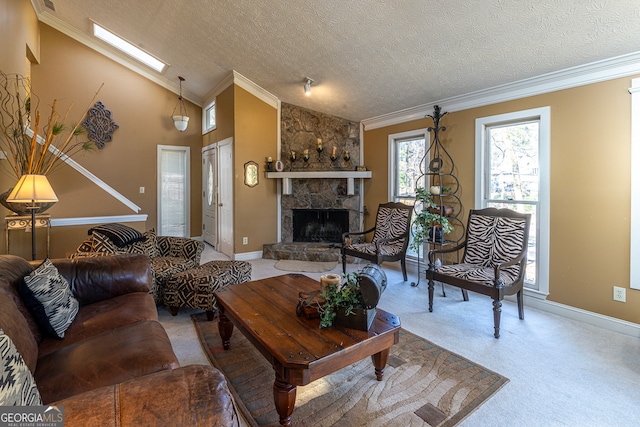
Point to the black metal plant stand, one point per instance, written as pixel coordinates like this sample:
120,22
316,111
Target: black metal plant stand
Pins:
444,188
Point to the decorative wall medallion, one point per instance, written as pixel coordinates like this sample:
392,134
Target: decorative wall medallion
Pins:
99,124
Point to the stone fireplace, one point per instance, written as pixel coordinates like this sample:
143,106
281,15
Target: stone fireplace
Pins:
301,129
317,184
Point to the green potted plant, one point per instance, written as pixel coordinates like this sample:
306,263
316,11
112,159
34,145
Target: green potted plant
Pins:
428,224
341,299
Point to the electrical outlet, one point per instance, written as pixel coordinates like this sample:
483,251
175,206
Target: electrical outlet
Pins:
245,240
141,190
619,294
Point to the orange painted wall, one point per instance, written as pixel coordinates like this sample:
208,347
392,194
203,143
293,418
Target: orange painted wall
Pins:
71,73
590,187
255,217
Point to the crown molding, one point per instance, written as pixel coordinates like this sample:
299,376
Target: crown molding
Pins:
218,88
238,79
257,91
125,60
38,7
594,72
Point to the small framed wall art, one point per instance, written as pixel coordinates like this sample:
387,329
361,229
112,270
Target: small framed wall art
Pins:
251,174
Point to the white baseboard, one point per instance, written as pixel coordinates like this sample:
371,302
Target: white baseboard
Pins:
247,256
584,316
539,302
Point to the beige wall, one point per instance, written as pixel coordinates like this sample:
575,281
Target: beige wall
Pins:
255,217
253,124
590,187
19,35
71,73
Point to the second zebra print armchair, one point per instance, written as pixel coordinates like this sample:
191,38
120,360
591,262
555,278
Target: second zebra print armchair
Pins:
390,237
493,262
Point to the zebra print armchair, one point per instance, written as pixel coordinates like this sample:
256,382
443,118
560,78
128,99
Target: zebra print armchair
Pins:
493,262
390,237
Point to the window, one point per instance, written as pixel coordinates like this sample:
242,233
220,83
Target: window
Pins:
512,171
406,153
209,118
128,48
173,191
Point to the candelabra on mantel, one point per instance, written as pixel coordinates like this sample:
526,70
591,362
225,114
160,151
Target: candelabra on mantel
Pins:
438,207
292,158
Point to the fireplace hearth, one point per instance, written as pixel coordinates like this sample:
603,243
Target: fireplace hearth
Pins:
320,225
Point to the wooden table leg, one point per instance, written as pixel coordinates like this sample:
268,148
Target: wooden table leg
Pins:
284,396
379,362
225,328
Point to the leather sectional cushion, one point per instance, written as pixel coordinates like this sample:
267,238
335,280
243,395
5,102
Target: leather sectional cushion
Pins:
101,278
112,357
15,326
191,395
99,317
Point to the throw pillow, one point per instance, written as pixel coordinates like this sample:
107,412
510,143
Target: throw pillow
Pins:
47,295
147,246
17,386
103,244
121,235
86,246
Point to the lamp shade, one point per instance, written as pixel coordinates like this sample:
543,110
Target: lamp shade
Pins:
181,122
32,188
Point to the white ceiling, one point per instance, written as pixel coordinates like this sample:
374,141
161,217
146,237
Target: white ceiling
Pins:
367,57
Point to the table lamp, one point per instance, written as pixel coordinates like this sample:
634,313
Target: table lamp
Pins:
32,189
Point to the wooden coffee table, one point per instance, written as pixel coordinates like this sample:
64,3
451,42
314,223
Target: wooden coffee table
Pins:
299,351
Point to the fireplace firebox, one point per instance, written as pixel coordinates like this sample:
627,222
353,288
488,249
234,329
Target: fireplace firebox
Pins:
320,225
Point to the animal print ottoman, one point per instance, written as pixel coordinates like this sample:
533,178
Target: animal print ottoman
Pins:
194,288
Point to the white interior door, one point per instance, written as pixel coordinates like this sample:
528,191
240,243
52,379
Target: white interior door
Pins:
225,196
210,197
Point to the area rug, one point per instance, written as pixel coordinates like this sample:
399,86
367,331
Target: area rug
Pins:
423,385
305,266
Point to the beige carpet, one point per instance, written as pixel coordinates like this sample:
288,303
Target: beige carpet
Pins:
305,266
424,385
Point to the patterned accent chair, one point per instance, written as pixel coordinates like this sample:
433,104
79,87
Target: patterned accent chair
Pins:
169,255
493,262
390,237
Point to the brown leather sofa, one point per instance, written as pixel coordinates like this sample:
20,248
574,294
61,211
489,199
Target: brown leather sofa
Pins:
115,364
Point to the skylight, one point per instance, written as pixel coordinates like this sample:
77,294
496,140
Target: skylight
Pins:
126,47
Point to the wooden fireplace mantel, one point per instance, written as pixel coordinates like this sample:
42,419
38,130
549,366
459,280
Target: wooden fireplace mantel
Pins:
350,176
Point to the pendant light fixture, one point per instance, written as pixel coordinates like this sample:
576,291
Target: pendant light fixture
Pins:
307,86
181,120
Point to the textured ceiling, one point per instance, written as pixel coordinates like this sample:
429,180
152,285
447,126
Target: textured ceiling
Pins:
367,57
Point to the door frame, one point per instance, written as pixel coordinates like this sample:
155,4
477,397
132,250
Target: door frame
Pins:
205,179
216,146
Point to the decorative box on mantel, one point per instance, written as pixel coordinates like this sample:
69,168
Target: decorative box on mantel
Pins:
350,176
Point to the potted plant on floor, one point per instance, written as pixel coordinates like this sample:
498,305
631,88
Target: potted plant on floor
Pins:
429,224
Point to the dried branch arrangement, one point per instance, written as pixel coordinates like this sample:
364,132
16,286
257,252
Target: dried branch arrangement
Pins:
28,146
